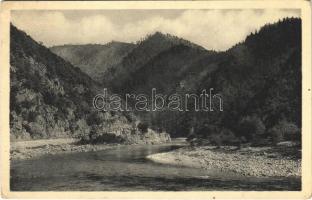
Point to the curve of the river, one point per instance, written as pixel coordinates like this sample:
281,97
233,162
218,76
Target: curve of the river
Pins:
125,168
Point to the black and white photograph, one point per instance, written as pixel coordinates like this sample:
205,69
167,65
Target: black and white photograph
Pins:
130,100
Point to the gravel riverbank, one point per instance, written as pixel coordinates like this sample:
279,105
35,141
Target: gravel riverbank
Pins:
35,148
251,161
22,150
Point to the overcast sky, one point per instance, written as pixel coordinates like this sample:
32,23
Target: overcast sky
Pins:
212,29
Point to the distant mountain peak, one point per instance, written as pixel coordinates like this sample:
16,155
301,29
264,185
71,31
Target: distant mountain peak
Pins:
159,37
159,34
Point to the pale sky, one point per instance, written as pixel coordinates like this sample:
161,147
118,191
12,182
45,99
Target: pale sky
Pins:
212,29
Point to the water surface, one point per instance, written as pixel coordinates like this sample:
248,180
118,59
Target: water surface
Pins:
125,168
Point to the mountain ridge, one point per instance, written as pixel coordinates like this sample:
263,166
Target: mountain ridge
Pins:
151,45
248,75
146,49
94,59
50,98
259,80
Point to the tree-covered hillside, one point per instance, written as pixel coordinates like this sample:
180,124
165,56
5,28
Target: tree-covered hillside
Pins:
259,80
118,76
94,59
50,98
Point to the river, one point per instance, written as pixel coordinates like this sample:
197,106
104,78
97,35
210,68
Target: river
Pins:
125,168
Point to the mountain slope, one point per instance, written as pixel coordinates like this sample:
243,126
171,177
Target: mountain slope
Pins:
46,92
259,80
94,59
168,70
147,49
50,98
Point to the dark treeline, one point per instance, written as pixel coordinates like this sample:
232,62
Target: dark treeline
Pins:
259,80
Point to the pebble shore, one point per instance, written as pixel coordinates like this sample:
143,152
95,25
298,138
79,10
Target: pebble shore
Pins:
251,161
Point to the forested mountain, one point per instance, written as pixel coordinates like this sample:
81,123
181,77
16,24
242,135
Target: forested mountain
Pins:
94,59
259,80
118,76
260,83
46,92
50,98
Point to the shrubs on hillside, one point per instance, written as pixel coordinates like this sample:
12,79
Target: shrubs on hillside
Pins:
250,130
251,127
284,131
143,127
96,138
94,118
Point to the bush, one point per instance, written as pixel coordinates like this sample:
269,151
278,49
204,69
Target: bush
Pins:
31,116
206,130
143,127
50,98
94,119
228,137
284,131
216,139
106,138
98,137
223,137
36,130
251,127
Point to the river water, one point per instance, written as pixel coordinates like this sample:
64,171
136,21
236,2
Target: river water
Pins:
125,168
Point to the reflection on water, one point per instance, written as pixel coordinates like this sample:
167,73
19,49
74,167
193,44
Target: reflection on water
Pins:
125,169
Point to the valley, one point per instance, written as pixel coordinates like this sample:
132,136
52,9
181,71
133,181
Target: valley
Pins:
238,142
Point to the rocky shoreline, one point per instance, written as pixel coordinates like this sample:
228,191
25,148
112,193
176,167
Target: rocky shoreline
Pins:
32,149
24,150
21,150
251,161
